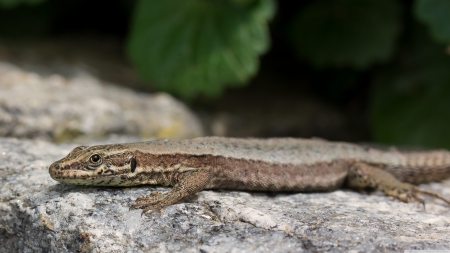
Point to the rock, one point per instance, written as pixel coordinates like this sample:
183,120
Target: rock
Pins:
62,108
38,214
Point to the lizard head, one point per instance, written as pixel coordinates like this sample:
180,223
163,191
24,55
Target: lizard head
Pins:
96,165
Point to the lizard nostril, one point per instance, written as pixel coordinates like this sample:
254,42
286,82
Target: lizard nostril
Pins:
54,168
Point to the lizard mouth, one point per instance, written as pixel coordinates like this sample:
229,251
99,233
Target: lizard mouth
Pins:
67,175
76,177
71,175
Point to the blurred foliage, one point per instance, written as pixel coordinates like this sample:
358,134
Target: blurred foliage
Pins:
29,20
346,32
196,47
436,14
411,98
192,47
14,3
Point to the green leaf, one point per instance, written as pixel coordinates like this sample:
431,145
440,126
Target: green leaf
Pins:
198,46
436,14
353,33
14,3
411,102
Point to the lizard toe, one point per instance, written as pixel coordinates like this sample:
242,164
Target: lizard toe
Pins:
152,195
408,197
155,200
143,204
146,200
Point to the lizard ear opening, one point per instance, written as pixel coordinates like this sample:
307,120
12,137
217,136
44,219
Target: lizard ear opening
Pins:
133,164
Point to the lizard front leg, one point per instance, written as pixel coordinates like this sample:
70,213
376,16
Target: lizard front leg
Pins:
186,183
362,175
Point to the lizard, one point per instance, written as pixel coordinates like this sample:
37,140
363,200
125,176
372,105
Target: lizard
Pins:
273,165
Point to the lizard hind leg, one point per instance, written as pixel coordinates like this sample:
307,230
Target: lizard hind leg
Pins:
362,175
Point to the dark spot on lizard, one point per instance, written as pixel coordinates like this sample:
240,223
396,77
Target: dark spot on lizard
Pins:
133,164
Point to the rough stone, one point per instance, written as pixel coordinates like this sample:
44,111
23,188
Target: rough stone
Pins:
38,214
60,108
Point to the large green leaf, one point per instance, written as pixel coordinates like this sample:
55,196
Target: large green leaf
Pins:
436,14
199,46
346,32
14,3
411,101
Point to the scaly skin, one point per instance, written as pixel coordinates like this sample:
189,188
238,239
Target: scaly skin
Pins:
278,164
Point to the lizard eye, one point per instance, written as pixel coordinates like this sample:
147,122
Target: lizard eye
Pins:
95,159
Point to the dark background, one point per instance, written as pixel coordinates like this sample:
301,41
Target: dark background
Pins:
310,82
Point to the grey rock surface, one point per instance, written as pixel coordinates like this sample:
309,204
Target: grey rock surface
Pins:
38,214
60,108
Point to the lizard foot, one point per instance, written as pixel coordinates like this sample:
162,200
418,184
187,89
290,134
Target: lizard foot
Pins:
155,200
431,193
408,193
405,192
152,196
362,175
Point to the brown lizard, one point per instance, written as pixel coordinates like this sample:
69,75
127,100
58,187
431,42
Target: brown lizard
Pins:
278,164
